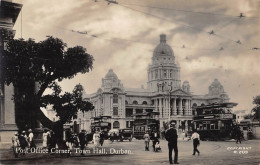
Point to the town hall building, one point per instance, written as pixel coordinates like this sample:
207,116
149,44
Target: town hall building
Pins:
165,93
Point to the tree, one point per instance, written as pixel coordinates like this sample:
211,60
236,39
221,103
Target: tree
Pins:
256,109
248,116
32,68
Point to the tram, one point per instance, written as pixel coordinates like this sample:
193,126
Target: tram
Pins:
215,121
145,122
101,123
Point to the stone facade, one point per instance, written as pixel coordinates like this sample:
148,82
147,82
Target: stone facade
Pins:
164,94
9,12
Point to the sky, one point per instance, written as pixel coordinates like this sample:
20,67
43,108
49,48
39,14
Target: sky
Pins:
123,36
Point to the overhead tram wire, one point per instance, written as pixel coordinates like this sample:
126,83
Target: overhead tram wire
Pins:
188,11
188,26
185,25
111,40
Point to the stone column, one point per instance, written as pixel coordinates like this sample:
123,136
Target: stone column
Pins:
186,110
190,107
156,105
180,107
177,125
160,107
174,107
186,125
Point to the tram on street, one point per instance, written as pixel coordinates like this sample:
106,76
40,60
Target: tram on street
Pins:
143,122
215,121
101,123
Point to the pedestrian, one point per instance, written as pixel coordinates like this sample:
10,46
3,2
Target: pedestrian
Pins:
102,138
48,139
157,147
69,139
30,139
23,141
172,137
53,142
238,135
155,139
183,135
112,136
16,143
96,138
146,140
196,142
82,140
44,139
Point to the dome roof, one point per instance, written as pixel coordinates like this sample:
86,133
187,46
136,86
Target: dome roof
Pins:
110,74
163,49
216,83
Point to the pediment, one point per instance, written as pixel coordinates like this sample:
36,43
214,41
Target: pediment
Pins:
116,90
180,92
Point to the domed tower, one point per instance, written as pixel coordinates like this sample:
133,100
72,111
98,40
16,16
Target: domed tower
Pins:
111,81
164,72
186,86
217,90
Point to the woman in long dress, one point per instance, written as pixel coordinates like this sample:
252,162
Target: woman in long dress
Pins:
96,138
44,137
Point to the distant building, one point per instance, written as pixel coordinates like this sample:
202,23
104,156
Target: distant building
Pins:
240,115
165,93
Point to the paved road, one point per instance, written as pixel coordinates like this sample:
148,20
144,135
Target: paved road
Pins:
211,153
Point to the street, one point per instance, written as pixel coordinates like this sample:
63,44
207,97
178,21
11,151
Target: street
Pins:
211,153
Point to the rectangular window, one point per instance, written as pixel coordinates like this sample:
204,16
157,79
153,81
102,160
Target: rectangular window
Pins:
115,98
115,111
139,111
129,112
212,126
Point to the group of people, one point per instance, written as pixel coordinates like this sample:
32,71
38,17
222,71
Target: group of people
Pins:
154,136
23,140
172,137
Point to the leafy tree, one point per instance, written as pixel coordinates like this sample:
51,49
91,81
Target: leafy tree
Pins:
248,116
32,68
256,109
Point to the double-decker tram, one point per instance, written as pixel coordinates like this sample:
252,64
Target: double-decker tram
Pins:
215,121
101,123
145,122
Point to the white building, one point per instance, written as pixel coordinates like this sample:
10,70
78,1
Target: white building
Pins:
165,93
240,115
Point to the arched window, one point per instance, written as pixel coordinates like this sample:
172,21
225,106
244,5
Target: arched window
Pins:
194,105
115,98
116,124
144,103
135,102
126,102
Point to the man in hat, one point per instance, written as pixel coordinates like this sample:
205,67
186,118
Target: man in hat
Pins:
23,141
30,138
172,137
196,141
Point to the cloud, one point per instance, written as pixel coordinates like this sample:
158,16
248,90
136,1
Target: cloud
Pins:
126,38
